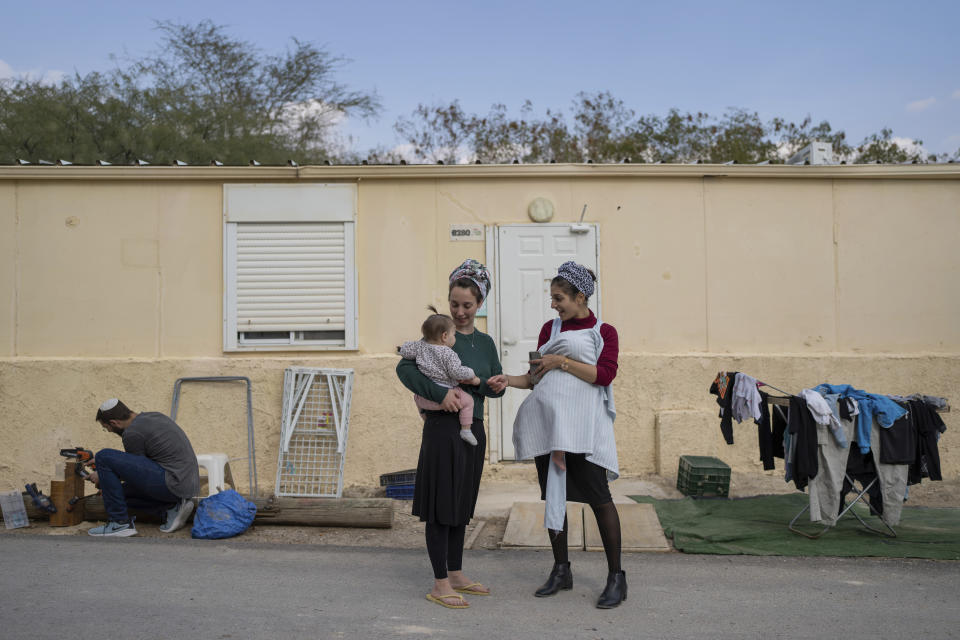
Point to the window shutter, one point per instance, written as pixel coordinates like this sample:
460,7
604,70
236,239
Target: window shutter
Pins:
291,277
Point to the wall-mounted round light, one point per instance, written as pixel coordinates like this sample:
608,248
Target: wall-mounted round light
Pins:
540,210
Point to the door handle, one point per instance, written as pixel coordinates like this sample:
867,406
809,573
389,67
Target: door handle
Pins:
509,342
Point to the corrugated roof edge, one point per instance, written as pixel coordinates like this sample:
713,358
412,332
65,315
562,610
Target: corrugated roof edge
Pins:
413,171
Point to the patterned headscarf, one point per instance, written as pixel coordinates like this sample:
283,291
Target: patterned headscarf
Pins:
473,270
578,276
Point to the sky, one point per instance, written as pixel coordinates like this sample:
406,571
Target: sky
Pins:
861,65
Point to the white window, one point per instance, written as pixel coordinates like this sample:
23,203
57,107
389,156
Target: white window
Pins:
289,270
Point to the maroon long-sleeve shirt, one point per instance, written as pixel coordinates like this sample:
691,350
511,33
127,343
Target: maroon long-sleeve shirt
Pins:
607,363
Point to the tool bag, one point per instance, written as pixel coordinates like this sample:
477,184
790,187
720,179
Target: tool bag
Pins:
223,515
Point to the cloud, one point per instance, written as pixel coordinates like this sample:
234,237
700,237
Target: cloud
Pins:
51,76
921,105
910,146
955,95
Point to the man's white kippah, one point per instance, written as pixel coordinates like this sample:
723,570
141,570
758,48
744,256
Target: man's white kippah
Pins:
109,404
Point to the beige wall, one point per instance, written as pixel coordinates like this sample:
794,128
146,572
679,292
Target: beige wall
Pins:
115,269
664,410
115,288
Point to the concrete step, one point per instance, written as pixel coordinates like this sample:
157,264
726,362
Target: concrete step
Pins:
525,526
640,529
639,526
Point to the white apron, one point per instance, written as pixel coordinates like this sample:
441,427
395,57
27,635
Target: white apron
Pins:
565,413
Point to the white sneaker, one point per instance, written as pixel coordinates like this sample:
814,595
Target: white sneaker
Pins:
114,529
177,516
467,435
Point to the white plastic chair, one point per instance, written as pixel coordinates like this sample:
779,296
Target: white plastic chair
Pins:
217,466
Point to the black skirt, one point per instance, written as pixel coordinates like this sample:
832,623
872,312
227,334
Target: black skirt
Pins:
586,481
448,471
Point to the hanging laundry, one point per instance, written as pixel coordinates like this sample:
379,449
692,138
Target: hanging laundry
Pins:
890,491
765,433
933,401
881,408
825,504
746,398
899,443
778,419
929,427
722,387
803,432
823,414
840,408
848,407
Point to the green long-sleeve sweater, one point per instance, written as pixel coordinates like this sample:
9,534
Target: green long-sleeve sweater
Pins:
476,351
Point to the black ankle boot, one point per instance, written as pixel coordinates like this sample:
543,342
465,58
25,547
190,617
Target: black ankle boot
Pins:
615,591
560,578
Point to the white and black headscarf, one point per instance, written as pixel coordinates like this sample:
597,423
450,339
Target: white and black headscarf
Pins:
578,276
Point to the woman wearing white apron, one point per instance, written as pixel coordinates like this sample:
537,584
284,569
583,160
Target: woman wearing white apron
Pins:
566,425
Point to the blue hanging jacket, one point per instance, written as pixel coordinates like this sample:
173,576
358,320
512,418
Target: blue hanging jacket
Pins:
223,515
885,410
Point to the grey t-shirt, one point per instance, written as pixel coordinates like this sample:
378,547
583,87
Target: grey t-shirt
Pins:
157,437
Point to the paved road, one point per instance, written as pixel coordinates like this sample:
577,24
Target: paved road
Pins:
143,588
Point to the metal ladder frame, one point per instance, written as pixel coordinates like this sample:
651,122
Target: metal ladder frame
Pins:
251,452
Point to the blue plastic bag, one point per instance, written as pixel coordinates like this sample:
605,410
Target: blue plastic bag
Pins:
223,515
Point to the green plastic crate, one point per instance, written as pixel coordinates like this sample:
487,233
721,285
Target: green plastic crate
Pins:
703,476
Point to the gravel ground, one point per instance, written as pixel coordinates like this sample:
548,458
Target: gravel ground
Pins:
407,530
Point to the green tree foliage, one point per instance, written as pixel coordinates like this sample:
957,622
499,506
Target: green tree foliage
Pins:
202,96
606,130
795,136
880,147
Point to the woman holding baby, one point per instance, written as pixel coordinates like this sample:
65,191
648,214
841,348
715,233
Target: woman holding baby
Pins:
449,466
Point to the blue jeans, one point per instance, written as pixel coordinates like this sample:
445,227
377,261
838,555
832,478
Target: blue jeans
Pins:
134,481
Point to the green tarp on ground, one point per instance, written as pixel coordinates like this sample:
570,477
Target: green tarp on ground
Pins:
758,526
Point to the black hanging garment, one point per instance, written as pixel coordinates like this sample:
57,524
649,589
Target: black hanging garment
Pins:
722,387
929,426
778,419
804,429
765,433
898,443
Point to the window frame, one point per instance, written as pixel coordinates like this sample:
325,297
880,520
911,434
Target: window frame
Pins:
285,203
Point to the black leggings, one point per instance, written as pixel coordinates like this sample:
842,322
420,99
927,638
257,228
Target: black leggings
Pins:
608,521
445,548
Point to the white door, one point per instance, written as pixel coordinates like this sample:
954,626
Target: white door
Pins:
527,259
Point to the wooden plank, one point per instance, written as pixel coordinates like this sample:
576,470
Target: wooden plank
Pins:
370,513
640,529
478,527
525,526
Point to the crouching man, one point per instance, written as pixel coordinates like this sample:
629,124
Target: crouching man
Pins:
157,470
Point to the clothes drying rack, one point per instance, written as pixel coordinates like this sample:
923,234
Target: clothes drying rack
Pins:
847,507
